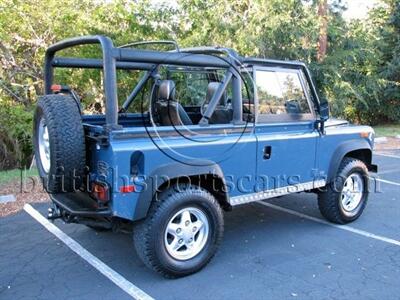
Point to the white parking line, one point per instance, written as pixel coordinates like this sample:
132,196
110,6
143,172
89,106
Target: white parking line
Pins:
387,155
342,227
386,181
112,275
390,171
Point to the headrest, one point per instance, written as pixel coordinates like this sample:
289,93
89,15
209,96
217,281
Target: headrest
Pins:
166,90
211,89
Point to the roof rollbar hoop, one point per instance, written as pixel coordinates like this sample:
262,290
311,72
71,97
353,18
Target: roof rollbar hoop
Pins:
212,51
143,43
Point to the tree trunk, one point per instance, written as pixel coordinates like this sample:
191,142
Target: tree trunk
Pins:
323,29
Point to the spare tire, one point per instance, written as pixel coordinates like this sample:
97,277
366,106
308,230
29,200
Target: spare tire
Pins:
59,143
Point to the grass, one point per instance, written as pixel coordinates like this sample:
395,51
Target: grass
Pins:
387,130
11,175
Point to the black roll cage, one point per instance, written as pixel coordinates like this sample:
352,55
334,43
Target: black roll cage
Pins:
127,58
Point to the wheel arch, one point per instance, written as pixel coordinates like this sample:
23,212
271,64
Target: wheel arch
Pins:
359,149
205,174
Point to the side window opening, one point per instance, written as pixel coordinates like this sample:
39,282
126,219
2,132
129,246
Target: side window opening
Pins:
281,96
190,87
310,94
248,96
192,90
141,103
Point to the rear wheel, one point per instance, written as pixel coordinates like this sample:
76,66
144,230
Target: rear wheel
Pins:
59,143
181,232
346,196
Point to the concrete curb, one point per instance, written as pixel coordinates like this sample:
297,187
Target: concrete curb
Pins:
380,140
7,198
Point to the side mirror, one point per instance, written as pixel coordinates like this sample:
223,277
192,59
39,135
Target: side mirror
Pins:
324,109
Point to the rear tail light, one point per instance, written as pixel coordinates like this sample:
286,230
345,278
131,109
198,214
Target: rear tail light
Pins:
58,88
100,191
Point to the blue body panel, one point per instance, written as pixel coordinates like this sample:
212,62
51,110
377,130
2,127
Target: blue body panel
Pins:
292,158
298,149
336,136
234,153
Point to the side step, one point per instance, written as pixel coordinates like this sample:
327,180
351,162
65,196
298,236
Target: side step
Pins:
267,194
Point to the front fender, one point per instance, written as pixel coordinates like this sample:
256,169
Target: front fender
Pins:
342,150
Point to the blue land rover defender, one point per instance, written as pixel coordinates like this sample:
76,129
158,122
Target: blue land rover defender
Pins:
203,130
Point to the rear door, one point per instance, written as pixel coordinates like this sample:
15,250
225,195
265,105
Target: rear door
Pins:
285,129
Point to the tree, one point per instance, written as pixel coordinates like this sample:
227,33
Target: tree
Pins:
323,29
358,72
391,64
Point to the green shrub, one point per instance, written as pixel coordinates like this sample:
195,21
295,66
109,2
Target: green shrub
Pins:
15,135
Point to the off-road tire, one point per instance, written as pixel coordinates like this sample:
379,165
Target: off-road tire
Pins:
329,200
148,235
62,117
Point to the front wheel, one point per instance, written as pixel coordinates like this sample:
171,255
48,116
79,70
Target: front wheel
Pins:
181,232
346,196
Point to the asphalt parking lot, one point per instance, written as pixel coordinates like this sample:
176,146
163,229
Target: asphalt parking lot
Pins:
267,253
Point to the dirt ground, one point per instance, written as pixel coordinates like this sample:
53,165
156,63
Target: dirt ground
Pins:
28,191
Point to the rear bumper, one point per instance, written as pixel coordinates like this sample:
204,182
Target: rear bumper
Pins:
79,204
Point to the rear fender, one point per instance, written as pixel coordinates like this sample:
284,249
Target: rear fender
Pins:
168,172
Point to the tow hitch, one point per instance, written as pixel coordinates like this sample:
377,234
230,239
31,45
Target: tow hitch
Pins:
53,213
58,212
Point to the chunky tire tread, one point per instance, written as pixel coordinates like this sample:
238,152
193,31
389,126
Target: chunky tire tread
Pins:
328,201
67,142
144,231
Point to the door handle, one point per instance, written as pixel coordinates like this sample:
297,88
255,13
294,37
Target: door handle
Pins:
267,152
